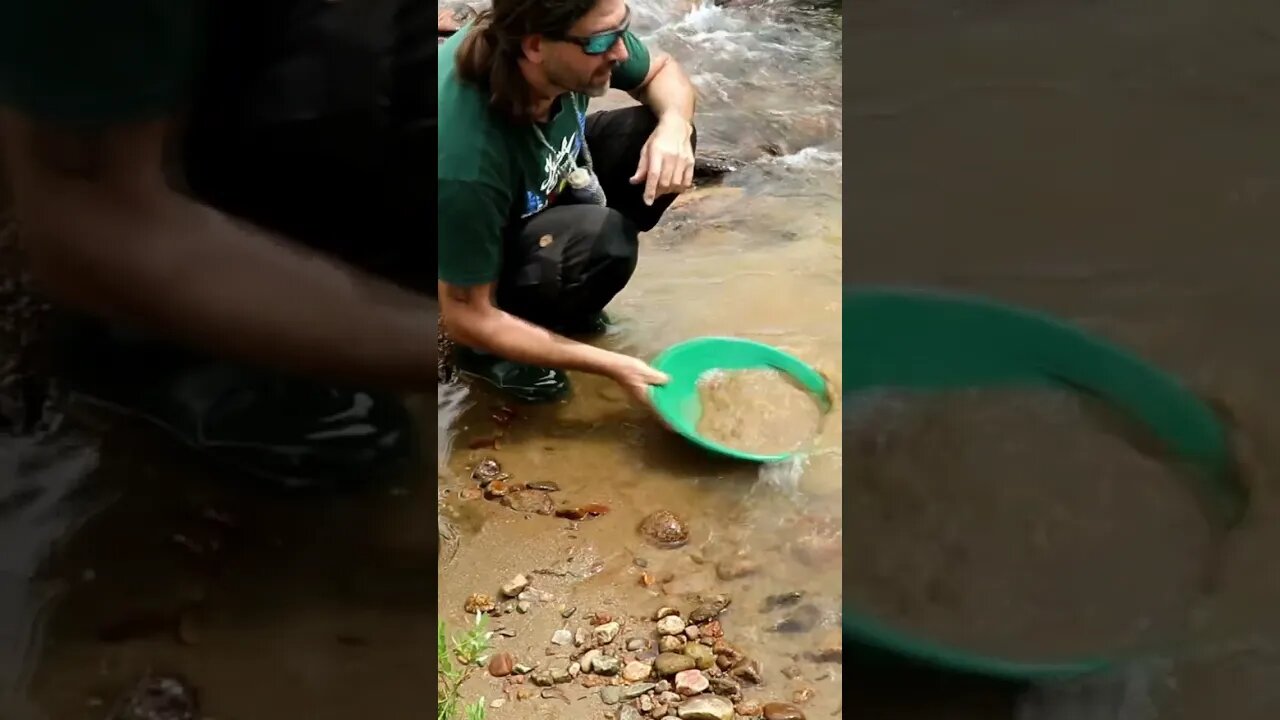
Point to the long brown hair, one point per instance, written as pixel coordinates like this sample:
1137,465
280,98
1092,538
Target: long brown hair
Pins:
490,53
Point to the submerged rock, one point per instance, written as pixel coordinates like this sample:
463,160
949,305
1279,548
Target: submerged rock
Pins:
488,470
664,529
782,711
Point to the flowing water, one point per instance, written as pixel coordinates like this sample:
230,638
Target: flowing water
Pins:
1114,162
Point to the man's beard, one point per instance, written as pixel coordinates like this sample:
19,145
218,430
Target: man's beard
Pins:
591,87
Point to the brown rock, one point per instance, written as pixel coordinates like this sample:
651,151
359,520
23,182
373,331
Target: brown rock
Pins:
501,664
802,696
726,687
497,489
530,501
829,650
664,529
748,671
782,711
748,708
479,602
710,608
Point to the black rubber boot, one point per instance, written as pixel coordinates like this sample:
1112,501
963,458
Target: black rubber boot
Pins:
526,383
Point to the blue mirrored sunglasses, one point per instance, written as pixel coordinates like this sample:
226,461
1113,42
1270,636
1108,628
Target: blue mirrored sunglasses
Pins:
600,43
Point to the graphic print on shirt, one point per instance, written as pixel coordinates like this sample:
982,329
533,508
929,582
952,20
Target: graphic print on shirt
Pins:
555,172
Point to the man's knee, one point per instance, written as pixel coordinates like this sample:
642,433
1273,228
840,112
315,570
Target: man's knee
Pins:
602,249
576,249
617,248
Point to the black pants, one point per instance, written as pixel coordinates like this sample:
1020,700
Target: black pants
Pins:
562,266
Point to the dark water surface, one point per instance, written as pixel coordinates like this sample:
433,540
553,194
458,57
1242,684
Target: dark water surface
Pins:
1116,163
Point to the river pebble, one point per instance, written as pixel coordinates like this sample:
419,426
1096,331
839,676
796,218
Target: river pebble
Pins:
605,665
626,712
670,643
671,625
710,609
478,603
749,671
671,663
703,657
749,708
561,637
637,643
611,694
634,691
664,529
665,611
726,687
691,682
606,633
501,665
515,586
705,707
636,671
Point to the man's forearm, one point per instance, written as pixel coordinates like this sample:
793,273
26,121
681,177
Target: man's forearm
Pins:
510,337
670,92
190,272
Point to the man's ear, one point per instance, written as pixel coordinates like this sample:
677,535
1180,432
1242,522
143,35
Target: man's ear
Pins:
532,47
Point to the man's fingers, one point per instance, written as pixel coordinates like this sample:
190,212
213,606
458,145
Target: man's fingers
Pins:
656,377
672,173
642,169
655,175
687,180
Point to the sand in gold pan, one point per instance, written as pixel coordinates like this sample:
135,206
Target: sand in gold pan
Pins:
1018,523
757,411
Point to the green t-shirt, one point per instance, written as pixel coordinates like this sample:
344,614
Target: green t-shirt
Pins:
492,173
90,62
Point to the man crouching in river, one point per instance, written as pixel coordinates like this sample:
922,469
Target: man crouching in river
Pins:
540,205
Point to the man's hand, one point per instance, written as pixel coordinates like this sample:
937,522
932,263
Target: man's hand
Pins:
635,376
473,320
666,161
